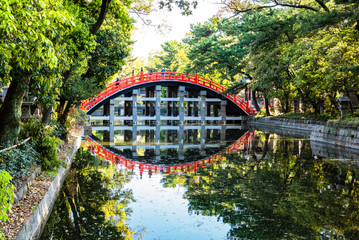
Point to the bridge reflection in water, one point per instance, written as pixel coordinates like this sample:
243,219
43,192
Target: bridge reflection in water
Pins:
169,149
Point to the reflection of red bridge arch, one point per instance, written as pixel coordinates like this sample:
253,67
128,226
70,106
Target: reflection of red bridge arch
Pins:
115,88
166,169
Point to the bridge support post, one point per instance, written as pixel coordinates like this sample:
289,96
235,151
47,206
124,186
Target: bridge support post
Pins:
158,152
158,141
181,104
134,121
203,133
158,106
181,142
112,120
203,106
223,112
134,140
134,106
223,135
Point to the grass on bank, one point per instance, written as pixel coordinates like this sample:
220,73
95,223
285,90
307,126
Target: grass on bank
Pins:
350,119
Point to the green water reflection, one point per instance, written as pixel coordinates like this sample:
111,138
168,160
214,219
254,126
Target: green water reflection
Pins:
91,203
277,192
272,188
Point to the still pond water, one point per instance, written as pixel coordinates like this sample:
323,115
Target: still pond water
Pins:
207,183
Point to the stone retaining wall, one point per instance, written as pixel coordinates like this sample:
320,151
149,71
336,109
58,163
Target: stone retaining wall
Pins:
297,124
317,131
22,190
36,223
348,138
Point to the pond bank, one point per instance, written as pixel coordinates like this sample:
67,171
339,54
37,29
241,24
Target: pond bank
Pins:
34,226
317,131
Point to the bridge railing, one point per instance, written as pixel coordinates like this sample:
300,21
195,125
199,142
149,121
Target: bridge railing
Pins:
124,83
167,169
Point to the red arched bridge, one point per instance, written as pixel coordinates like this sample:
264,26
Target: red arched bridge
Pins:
193,85
99,150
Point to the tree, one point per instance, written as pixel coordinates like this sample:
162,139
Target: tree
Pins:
276,191
92,202
112,47
173,58
32,34
275,58
93,68
113,42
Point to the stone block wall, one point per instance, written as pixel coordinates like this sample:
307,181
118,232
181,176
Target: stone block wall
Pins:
318,131
37,221
348,138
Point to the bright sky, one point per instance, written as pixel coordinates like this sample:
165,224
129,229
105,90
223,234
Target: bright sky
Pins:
149,40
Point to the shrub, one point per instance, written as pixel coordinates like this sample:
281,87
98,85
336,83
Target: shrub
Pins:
6,196
309,116
19,161
59,130
45,143
47,147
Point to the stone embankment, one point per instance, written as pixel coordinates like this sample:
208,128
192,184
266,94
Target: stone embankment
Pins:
36,223
317,131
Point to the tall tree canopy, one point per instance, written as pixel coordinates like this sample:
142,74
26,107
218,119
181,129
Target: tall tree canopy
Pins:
33,52
290,51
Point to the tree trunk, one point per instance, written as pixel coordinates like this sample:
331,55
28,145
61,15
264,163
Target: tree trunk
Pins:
322,4
63,117
61,107
104,8
286,105
254,100
10,111
46,115
295,106
265,146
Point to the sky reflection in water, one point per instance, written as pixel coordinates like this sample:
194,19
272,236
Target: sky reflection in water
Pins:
271,187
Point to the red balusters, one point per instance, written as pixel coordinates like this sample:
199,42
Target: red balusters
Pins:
133,80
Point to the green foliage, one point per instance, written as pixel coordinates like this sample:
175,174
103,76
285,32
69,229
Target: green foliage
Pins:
47,148
59,130
261,113
80,117
173,58
351,120
101,60
33,41
184,5
303,52
45,143
274,189
6,196
93,193
19,161
214,52
309,116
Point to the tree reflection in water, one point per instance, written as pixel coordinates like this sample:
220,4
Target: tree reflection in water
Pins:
270,188
92,203
277,191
